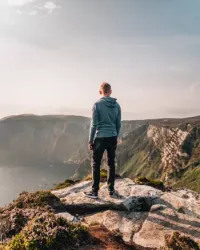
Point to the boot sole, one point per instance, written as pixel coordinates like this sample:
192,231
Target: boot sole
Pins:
92,197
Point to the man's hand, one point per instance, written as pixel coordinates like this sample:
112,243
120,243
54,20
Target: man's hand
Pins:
90,146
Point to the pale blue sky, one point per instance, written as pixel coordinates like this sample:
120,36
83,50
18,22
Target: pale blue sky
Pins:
55,54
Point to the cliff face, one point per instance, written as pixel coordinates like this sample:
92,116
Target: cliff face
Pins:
32,140
166,151
169,141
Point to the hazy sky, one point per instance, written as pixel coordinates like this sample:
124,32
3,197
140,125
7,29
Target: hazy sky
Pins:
54,55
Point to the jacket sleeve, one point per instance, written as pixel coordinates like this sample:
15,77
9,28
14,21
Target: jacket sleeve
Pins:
94,123
118,123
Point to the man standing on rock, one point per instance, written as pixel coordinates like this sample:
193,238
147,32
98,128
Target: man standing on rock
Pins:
104,131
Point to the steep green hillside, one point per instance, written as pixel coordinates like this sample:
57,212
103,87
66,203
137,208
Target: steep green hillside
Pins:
168,151
190,179
138,156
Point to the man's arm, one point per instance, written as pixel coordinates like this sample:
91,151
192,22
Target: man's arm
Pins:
94,123
118,123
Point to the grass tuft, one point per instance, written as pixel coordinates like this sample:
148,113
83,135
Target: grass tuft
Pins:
65,184
103,176
153,183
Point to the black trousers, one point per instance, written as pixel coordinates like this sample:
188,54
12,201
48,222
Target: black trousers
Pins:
100,145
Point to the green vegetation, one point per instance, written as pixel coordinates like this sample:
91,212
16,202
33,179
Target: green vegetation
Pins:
46,232
38,199
178,242
30,223
139,165
138,156
190,180
12,222
65,184
103,175
16,215
189,143
153,183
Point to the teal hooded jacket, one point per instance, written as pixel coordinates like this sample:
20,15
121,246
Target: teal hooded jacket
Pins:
106,119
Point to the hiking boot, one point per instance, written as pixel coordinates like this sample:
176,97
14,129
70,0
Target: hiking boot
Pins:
92,195
112,193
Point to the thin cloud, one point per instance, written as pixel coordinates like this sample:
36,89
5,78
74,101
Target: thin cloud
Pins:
50,6
19,2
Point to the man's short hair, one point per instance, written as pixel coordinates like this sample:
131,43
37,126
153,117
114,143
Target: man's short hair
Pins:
105,87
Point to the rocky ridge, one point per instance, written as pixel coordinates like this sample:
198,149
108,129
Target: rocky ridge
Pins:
162,150
170,142
140,214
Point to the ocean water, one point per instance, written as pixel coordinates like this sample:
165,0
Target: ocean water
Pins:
14,180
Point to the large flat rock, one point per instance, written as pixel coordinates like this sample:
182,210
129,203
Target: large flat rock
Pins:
184,201
139,213
163,221
130,197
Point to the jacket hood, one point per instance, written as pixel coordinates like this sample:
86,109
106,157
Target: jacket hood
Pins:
109,101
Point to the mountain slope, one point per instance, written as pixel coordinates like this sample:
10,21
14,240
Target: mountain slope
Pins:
32,140
166,149
169,151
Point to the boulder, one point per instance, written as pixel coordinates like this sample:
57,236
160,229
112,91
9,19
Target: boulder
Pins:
69,217
130,197
163,221
124,223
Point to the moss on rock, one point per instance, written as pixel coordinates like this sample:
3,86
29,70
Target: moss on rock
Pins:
65,184
153,183
103,176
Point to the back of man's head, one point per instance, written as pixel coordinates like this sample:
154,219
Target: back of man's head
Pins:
105,89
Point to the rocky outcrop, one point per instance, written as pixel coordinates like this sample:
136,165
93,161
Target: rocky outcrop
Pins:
163,149
140,214
162,221
169,140
130,197
121,223
183,201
